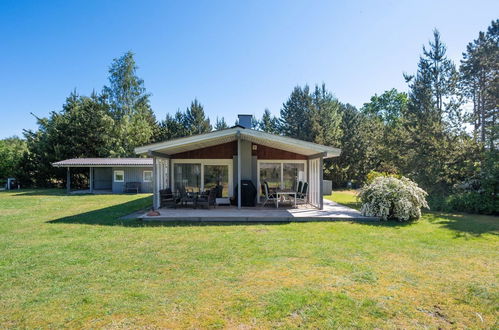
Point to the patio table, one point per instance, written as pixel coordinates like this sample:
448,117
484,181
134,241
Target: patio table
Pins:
284,193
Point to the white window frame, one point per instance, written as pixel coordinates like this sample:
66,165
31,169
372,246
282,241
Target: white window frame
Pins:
122,172
281,162
144,176
203,162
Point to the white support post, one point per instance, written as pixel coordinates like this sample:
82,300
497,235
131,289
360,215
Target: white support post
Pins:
155,185
238,171
91,170
321,183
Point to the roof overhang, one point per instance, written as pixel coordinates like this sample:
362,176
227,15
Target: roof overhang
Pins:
105,162
231,134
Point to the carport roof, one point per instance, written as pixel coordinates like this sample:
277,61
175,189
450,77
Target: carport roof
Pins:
105,162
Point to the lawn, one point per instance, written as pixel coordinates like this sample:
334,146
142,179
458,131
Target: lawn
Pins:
68,261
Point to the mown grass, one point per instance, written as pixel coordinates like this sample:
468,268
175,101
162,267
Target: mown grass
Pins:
68,261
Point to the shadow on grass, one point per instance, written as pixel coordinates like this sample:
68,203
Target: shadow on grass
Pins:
466,224
112,216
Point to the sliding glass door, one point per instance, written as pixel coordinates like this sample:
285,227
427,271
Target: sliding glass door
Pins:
203,174
187,176
292,173
271,173
282,174
217,175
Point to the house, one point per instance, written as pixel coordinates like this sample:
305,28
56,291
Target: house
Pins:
223,158
235,155
113,174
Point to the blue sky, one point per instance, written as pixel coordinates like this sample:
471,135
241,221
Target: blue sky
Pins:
234,56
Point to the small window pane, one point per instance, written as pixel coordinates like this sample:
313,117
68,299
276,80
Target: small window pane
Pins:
119,176
147,176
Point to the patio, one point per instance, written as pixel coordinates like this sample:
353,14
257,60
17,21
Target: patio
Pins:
331,212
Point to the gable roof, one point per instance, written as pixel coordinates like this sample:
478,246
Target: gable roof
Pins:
231,134
105,162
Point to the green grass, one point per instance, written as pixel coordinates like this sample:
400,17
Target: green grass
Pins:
68,261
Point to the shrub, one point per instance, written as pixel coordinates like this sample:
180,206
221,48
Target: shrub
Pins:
375,174
392,198
474,202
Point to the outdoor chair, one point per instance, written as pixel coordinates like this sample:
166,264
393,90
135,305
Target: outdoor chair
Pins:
132,187
168,198
207,199
302,197
186,197
300,187
269,197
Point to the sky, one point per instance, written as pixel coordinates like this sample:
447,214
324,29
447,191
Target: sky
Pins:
233,56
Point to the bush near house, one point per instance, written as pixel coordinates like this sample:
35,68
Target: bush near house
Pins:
392,198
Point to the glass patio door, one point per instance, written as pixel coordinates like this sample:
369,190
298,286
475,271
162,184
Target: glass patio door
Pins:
282,175
187,176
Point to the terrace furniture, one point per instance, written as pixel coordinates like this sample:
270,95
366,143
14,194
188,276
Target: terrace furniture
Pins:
131,187
300,187
269,197
302,197
168,198
207,199
280,194
187,197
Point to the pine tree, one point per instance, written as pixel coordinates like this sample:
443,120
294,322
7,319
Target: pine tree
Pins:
296,115
326,117
269,123
480,83
195,119
220,124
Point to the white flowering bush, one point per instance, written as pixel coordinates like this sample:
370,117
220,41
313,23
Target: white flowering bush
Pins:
392,198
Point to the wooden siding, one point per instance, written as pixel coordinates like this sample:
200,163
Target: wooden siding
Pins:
264,152
221,151
132,174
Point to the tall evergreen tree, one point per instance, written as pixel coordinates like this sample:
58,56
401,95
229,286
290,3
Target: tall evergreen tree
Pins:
326,117
296,115
480,83
220,124
269,123
431,116
196,121
172,127
83,128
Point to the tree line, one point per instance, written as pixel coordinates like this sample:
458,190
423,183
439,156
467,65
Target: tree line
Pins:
426,133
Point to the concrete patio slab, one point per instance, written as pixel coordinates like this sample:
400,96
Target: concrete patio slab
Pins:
332,212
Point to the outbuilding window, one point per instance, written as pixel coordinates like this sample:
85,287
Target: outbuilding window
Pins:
147,176
119,176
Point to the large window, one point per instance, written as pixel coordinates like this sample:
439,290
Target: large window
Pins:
292,173
271,173
203,174
282,174
187,176
217,175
